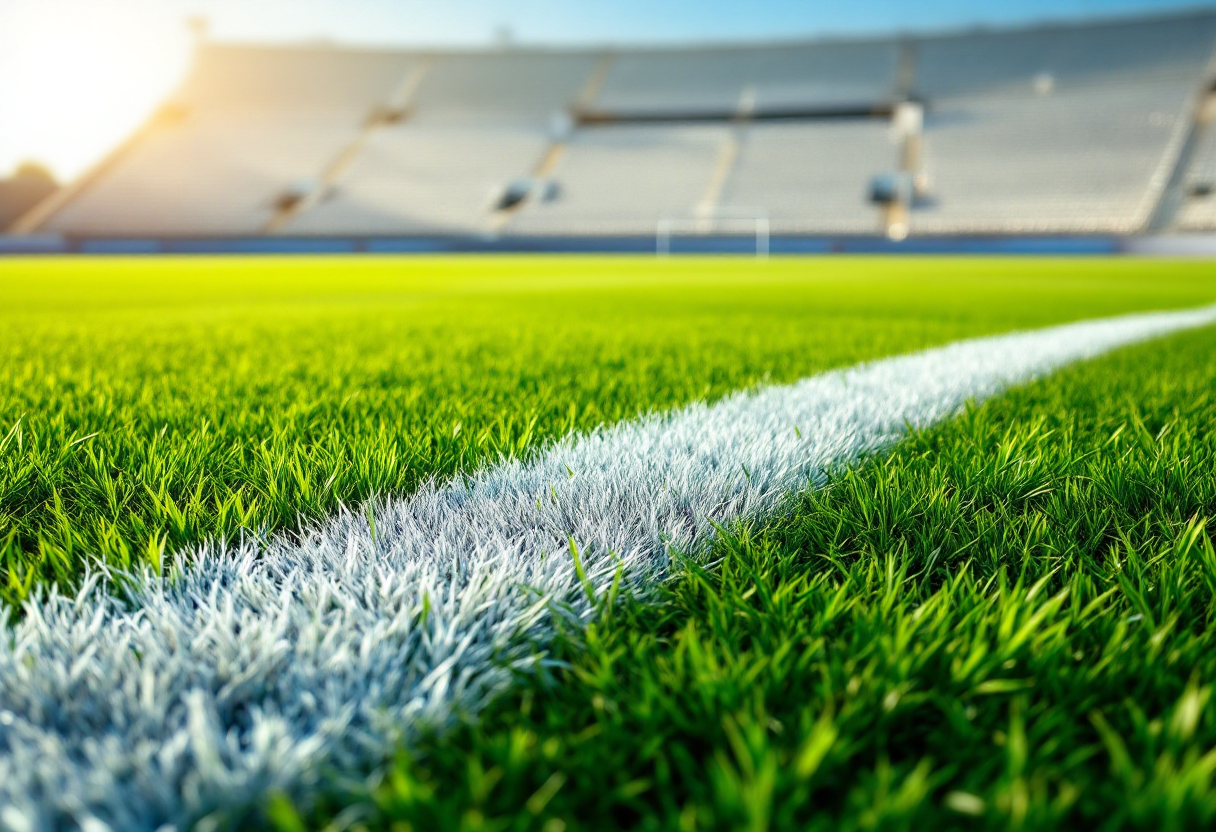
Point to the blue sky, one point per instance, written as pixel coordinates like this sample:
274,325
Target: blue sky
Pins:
594,21
77,76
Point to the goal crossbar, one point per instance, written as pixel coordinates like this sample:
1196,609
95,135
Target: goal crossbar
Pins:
726,222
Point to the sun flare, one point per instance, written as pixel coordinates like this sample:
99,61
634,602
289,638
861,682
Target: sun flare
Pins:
76,78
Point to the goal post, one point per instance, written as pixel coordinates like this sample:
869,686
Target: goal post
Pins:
736,221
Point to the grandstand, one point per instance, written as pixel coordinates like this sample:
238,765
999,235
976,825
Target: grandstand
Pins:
1055,130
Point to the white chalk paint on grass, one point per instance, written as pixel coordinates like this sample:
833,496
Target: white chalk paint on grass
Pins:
262,667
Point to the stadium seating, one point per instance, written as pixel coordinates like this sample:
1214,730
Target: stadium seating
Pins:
247,127
478,121
994,63
1073,160
823,76
496,85
425,178
236,77
1056,129
218,173
1198,211
623,179
812,177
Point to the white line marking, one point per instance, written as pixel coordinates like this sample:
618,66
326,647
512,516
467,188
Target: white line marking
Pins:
256,666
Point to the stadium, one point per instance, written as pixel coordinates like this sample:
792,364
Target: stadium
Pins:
803,431
1085,131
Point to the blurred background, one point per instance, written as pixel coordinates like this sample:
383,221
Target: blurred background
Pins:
405,124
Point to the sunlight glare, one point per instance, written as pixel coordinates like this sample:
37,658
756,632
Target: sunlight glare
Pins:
78,77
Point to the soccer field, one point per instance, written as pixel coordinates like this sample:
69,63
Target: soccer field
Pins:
1003,620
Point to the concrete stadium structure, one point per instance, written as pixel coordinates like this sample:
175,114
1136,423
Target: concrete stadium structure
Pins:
1098,129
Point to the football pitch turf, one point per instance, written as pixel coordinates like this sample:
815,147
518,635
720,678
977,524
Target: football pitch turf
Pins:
1003,622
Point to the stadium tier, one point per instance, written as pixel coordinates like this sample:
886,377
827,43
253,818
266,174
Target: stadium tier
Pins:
1078,160
222,174
1099,128
619,179
422,177
778,78
1197,196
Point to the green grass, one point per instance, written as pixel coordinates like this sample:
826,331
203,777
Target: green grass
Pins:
146,405
1009,622
1004,623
